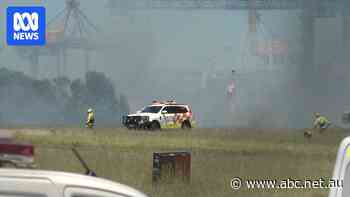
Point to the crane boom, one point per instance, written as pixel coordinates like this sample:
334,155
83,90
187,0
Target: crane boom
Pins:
220,4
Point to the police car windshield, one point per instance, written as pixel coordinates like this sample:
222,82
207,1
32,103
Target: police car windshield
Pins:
151,109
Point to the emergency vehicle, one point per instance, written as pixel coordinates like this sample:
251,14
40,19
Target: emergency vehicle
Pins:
16,154
341,172
38,183
161,115
28,182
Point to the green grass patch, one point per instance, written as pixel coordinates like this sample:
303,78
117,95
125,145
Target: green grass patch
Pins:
218,155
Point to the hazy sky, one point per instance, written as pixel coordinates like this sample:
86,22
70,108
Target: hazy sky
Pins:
183,38
180,41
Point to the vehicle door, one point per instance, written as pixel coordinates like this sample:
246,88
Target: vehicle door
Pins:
27,187
90,192
340,183
168,115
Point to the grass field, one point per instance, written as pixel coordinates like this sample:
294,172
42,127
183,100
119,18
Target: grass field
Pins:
218,155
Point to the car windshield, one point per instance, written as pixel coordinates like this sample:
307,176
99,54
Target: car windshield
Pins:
151,109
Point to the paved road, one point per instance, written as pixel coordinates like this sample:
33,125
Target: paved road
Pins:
5,134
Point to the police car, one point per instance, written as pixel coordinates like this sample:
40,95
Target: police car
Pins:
161,115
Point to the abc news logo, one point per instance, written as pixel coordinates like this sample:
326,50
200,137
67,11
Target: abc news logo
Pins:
26,26
29,29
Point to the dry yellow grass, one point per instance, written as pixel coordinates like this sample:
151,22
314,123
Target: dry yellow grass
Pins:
218,155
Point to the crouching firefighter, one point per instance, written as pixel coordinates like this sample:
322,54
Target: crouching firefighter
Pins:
321,123
90,120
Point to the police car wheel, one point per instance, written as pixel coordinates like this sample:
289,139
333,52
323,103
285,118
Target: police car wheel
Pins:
154,126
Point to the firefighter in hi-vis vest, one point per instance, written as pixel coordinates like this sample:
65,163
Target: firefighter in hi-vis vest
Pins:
321,122
90,120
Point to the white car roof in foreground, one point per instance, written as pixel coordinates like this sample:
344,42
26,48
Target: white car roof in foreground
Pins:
63,179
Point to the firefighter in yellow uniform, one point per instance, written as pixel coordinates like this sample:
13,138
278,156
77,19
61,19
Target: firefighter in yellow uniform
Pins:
321,123
90,121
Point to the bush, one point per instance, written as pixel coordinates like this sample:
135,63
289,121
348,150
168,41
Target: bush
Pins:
58,101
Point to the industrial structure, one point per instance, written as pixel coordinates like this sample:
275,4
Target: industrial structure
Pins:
309,66
310,10
69,29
